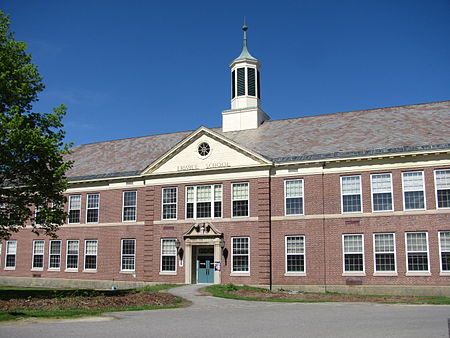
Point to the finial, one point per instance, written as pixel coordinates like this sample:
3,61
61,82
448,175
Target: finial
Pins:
245,53
244,27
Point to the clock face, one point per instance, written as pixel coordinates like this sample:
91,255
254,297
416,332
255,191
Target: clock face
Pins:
203,149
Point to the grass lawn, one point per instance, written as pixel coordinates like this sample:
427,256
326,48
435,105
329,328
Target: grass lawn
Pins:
259,294
18,303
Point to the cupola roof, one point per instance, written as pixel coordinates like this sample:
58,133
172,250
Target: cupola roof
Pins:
245,54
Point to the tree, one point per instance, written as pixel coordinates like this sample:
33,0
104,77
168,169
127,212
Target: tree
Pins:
32,148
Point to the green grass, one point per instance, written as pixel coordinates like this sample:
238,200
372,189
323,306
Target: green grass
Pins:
7,293
225,291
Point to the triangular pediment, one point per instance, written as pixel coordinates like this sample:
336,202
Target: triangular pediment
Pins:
221,153
202,229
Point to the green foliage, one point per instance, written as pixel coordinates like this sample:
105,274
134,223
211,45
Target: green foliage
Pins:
32,166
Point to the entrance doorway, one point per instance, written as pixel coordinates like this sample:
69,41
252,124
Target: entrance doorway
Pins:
205,265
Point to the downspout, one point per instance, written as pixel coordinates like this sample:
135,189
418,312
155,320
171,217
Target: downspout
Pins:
270,229
323,230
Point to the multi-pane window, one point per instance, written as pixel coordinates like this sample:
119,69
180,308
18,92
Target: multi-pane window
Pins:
240,199
442,180
353,253
74,208
381,192
413,190
38,254
293,193
11,250
72,254
240,252
444,248
55,255
384,249
168,255
417,251
351,193
169,203
128,254
129,206
204,201
90,254
295,253
92,206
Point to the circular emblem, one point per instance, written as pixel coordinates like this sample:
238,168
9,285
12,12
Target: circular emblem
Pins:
204,149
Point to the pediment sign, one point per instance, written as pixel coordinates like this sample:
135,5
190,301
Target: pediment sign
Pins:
202,229
205,150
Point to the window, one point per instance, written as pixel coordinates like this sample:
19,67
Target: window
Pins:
417,251
128,254
90,254
92,204
38,254
293,193
384,252
444,248
353,253
1,247
74,208
55,255
295,254
381,192
442,181
168,255
351,193
240,251
240,199
11,250
129,206
413,190
204,201
169,203
72,254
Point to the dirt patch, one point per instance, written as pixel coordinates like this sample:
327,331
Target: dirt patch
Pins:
320,297
90,303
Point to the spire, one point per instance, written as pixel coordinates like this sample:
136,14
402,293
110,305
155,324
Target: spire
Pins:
245,54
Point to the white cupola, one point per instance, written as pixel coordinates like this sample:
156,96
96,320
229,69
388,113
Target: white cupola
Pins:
245,112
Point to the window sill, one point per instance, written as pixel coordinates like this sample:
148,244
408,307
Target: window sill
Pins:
446,273
418,274
295,274
385,274
7,268
56,270
90,271
37,269
240,274
167,273
354,274
128,272
71,270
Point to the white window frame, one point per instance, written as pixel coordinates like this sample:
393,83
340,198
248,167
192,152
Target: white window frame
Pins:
171,255
436,188
384,252
423,189
86,255
248,199
97,208
407,252
122,255
34,254
360,195
50,254
176,203
363,271
67,254
294,254
440,253
69,209
391,192
248,255
129,206
302,196
212,201
7,253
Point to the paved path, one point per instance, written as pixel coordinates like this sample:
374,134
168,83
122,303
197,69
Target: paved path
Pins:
217,317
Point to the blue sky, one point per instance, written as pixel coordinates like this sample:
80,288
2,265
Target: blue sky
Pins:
134,68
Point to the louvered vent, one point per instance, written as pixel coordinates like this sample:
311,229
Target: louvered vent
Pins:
258,87
233,84
240,81
251,81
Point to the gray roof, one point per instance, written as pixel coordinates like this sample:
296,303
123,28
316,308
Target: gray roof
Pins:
376,131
